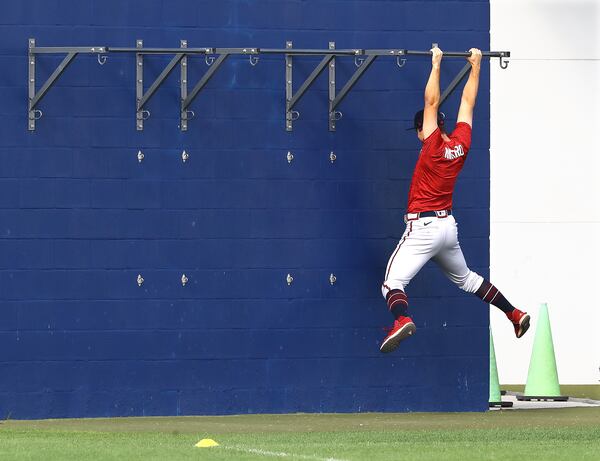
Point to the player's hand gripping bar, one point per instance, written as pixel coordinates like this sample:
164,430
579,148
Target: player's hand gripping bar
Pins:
461,54
465,54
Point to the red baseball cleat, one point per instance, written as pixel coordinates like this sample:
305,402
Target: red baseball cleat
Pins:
402,329
520,321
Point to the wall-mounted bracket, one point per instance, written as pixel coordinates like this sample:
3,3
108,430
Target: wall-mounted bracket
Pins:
331,86
334,114
186,99
183,117
139,85
142,97
455,82
363,64
180,55
289,92
214,65
35,97
291,98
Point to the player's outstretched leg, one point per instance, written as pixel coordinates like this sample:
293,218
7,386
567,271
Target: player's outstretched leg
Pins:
452,262
491,295
403,325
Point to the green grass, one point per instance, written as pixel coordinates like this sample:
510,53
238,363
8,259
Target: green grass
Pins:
554,434
583,391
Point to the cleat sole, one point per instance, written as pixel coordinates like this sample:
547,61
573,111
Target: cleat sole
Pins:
393,341
523,325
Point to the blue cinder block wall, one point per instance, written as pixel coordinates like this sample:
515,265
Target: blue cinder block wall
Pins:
80,217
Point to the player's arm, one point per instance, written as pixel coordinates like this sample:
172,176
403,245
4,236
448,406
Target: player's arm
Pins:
432,94
467,102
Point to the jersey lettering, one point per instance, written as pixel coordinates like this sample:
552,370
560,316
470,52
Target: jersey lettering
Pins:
437,169
453,153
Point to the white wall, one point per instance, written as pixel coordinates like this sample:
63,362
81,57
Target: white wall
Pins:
545,181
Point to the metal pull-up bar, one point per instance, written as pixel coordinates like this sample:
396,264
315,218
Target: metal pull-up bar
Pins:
215,57
460,54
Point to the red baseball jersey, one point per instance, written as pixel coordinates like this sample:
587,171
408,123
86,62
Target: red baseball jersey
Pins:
437,168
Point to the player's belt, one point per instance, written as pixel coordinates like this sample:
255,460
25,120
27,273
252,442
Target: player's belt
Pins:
425,214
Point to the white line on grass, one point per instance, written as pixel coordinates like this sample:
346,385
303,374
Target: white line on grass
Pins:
278,454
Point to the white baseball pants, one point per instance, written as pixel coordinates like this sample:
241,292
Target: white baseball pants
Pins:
425,239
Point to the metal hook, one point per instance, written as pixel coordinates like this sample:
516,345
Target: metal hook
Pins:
358,61
336,115
37,114
145,114
188,112
503,63
209,60
102,59
295,115
400,62
253,60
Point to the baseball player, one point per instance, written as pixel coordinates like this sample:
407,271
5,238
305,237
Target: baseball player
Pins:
431,230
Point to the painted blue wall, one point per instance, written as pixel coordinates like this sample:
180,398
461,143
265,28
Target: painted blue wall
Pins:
80,218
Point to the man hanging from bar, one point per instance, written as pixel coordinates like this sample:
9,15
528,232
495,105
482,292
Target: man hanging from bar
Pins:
431,230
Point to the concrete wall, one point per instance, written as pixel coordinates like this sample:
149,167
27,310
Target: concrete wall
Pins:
81,218
545,192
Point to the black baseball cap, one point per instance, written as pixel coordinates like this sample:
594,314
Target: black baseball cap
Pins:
418,120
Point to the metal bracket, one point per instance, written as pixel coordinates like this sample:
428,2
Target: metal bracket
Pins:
141,101
139,84
331,88
289,92
35,97
31,84
334,101
363,65
293,98
181,56
183,117
454,83
187,99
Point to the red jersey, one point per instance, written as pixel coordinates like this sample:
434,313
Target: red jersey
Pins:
437,169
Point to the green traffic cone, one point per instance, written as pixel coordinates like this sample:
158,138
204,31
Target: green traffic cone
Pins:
495,395
542,378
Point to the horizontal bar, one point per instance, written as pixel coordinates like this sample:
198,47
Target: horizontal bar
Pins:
254,51
67,49
398,52
461,54
162,50
248,50
317,52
